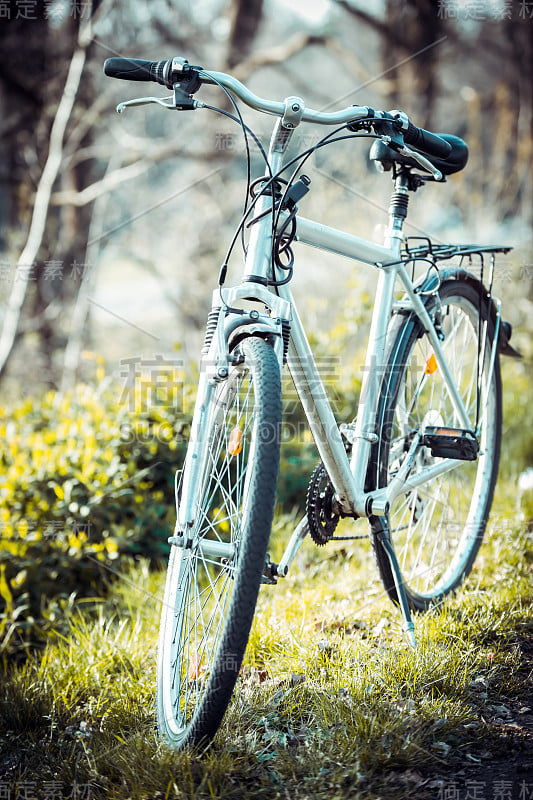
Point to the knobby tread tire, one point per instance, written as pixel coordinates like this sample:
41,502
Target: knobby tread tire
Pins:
252,550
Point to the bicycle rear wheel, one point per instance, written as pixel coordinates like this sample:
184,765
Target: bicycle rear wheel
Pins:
436,529
212,586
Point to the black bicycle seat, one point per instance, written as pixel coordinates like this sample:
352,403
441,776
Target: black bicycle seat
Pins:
455,161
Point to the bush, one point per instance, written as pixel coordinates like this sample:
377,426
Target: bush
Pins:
86,484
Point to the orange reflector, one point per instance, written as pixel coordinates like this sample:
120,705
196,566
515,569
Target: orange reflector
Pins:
447,432
431,365
235,442
196,668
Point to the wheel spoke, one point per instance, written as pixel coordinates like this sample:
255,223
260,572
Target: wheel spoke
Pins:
193,664
436,526
200,621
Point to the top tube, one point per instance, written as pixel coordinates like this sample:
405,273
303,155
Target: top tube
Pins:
350,114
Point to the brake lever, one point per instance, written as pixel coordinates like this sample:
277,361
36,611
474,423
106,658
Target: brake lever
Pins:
175,104
144,101
422,160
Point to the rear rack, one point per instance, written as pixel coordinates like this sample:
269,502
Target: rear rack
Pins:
480,261
418,247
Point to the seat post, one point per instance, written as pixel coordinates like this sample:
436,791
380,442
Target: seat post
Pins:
398,203
398,208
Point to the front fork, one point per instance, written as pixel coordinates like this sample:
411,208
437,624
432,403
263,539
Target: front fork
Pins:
226,326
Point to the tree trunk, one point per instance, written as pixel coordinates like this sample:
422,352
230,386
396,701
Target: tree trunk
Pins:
246,19
410,54
42,285
23,72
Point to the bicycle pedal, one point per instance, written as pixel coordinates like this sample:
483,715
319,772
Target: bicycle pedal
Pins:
451,443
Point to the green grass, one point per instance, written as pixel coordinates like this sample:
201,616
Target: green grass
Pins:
332,702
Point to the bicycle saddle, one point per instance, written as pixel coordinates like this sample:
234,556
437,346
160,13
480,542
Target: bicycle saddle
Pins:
455,161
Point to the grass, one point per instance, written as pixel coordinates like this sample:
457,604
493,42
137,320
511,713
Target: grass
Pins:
332,702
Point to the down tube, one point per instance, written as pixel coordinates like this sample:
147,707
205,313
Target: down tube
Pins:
322,422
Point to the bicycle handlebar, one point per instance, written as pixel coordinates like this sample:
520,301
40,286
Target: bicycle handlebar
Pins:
427,142
137,69
165,73
174,71
350,114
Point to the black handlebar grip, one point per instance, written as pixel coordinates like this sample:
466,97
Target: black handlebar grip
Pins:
137,69
427,142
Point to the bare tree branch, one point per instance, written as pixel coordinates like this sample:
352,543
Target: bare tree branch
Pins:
81,308
109,182
373,22
355,65
276,55
90,116
118,176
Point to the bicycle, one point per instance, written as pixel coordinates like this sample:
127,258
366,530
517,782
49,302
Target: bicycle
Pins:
420,460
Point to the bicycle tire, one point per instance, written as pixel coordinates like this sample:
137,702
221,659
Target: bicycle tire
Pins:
209,603
436,531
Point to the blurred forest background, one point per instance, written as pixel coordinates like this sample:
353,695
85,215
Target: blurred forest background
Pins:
113,228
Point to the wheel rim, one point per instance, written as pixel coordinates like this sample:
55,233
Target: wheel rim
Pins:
205,584
436,526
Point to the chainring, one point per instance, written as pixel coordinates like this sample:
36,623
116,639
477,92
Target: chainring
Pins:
320,515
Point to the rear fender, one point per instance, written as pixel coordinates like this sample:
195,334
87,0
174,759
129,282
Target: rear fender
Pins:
432,281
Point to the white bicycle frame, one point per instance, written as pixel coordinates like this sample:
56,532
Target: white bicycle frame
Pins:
346,474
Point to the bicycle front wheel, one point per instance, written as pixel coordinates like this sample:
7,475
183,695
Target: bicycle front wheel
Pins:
212,585
436,529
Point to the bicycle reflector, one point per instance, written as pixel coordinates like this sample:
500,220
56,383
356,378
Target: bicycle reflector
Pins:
235,442
431,365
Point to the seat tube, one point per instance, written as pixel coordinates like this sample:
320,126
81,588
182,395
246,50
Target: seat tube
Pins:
365,425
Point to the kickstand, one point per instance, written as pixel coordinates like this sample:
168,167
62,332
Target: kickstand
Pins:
409,626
